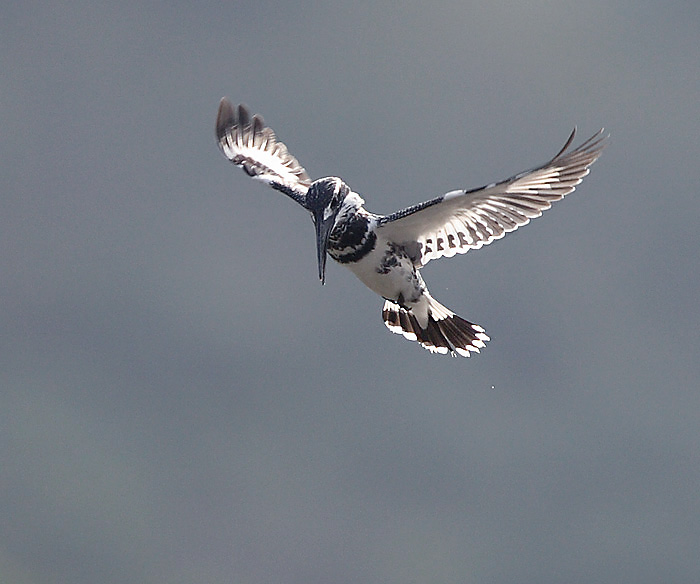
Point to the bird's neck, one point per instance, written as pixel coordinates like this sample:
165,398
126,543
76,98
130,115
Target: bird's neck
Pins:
351,206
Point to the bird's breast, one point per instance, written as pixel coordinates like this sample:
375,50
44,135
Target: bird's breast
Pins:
351,239
389,271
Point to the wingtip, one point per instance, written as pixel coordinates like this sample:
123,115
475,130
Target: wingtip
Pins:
598,141
225,117
568,143
243,115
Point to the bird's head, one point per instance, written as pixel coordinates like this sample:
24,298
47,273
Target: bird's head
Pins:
324,200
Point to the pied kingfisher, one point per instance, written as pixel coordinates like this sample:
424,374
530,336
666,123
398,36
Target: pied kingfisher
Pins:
386,252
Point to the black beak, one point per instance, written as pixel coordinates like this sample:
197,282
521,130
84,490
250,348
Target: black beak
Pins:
323,229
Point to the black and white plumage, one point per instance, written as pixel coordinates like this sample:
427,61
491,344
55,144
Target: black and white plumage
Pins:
386,252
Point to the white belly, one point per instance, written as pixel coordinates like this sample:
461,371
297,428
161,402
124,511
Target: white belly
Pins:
391,275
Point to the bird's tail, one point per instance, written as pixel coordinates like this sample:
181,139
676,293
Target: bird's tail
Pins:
445,332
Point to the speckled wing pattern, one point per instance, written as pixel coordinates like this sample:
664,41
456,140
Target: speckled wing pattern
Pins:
251,145
464,220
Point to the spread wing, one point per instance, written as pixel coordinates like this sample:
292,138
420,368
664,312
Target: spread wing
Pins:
464,220
250,144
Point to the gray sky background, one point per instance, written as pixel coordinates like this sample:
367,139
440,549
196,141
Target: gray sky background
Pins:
183,402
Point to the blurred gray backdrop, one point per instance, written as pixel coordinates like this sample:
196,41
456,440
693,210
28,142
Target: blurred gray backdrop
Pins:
181,401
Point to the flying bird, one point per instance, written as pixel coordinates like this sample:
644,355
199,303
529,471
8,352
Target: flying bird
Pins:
386,252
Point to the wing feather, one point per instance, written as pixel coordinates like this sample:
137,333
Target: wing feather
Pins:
251,145
469,219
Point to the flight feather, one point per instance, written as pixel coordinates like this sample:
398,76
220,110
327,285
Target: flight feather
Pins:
251,145
469,219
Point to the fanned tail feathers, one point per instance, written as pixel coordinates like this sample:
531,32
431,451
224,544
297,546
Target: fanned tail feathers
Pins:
445,332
